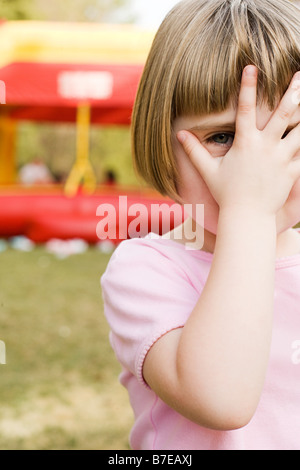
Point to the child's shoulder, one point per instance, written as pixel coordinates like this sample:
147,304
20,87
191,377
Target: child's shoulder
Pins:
153,245
153,256
137,261
146,248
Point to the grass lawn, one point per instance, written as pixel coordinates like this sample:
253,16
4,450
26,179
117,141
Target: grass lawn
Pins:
59,388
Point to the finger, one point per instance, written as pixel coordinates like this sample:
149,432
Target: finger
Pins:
286,109
295,168
246,112
293,140
199,156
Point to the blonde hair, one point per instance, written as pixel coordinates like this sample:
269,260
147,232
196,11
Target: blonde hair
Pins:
195,67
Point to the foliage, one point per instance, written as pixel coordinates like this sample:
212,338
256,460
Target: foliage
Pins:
16,9
66,10
81,10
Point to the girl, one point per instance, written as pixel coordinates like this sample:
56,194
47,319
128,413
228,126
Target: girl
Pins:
209,338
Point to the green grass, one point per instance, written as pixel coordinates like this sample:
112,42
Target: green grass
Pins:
59,388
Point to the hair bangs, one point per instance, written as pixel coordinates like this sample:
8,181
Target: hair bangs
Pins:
211,65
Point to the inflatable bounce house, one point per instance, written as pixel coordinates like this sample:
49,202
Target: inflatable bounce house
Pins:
80,73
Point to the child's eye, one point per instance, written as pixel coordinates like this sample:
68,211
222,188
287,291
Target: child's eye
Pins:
218,144
221,139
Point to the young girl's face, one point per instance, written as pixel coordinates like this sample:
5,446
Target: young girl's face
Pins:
216,133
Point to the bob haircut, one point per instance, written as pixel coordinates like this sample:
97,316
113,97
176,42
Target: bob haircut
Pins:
195,67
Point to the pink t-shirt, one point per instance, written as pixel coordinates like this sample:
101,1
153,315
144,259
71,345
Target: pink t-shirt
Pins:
150,287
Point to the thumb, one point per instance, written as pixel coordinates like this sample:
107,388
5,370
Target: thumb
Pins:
199,156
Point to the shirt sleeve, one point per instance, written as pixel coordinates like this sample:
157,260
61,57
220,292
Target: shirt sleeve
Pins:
146,295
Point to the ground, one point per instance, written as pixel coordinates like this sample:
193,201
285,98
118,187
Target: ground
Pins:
59,388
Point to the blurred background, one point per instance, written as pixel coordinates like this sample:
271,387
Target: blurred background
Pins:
64,149
55,144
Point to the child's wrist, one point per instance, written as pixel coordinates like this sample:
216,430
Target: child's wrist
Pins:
247,228
249,212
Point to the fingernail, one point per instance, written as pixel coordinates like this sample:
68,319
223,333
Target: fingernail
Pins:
251,71
181,136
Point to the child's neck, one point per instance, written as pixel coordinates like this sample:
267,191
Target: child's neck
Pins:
288,242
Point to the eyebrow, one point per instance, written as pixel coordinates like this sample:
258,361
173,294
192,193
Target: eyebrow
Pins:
226,126
215,126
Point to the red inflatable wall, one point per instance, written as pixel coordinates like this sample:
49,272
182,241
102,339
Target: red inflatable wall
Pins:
42,217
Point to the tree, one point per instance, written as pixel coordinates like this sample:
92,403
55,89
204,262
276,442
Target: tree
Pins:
67,10
16,9
82,10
